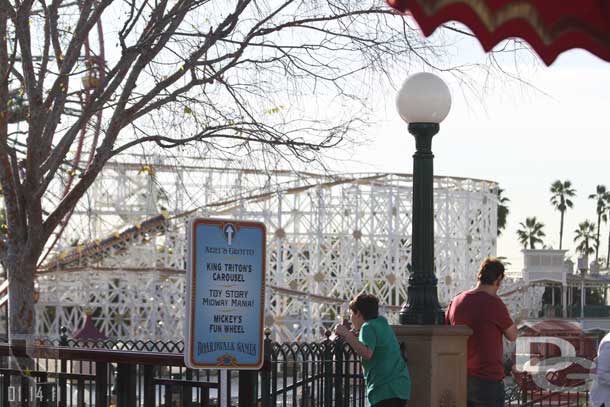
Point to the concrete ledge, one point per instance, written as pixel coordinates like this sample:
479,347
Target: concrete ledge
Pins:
432,330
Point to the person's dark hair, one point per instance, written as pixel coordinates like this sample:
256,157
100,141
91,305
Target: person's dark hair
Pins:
365,304
491,269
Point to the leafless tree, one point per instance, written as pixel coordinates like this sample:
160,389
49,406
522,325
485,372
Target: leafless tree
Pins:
227,75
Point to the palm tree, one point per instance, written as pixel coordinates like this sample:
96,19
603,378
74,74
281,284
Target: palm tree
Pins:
531,233
585,236
600,208
502,211
562,192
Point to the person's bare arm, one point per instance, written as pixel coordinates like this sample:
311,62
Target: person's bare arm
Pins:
603,365
511,333
349,337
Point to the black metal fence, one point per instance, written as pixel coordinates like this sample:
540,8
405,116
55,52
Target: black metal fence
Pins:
67,373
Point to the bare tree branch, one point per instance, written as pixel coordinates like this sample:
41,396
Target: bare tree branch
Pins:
283,78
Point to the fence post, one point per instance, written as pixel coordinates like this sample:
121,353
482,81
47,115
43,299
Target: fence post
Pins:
328,370
247,388
126,385
338,372
44,395
63,368
187,391
6,383
266,371
149,386
101,383
24,390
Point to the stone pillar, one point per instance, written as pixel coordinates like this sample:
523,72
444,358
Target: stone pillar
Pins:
437,358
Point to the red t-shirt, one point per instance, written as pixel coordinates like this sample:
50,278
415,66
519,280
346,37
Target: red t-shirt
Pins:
488,318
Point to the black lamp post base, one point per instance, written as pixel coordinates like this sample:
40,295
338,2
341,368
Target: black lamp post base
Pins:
413,316
422,306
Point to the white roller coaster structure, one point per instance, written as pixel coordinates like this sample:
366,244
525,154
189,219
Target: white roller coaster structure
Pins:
329,237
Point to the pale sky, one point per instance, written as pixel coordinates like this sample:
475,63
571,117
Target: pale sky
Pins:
519,137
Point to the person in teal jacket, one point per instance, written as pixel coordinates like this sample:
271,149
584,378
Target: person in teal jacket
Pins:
385,372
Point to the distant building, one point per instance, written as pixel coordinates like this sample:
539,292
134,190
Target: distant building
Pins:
577,293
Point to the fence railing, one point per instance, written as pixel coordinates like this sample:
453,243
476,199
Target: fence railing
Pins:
574,311
67,373
553,388
516,396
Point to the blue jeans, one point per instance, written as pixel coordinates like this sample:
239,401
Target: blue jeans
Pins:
485,393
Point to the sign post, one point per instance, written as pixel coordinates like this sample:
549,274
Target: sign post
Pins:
225,294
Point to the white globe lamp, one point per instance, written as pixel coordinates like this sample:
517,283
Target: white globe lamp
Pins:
423,98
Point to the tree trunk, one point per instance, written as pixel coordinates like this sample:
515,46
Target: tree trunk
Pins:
561,230
599,220
21,312
22,316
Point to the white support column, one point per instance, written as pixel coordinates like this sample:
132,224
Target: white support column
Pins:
564,301
582,298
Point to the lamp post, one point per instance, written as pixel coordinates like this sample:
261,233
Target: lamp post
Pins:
423,102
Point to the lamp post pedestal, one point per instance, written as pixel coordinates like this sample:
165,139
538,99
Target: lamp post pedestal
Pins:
423,307
437,360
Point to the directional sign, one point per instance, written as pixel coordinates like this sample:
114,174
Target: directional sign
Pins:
225,294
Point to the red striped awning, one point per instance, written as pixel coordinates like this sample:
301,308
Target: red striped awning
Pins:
549,26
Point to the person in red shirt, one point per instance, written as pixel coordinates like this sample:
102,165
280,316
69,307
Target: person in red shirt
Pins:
485,313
